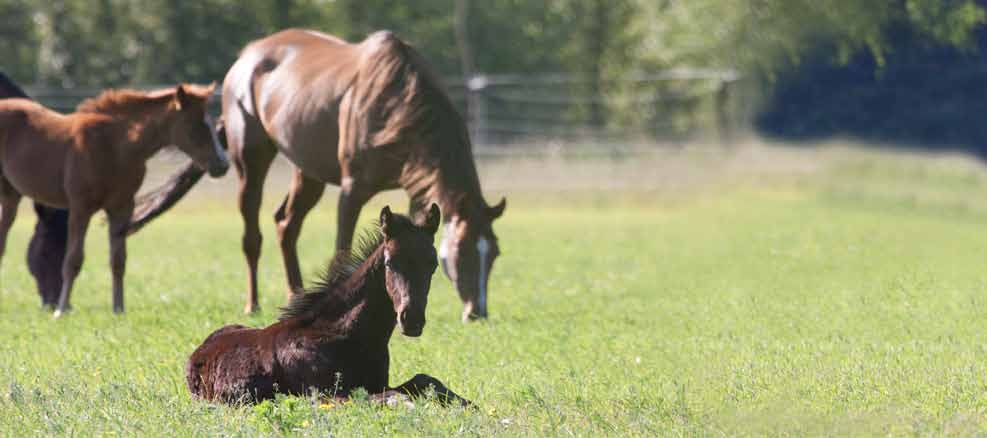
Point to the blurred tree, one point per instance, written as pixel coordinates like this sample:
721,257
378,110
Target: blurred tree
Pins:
18,40
126,42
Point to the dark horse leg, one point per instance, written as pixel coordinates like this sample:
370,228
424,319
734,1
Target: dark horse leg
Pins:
46,252
418,387
305,193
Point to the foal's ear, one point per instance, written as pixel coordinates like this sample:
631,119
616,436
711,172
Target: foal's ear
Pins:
386,220
432,220
497,210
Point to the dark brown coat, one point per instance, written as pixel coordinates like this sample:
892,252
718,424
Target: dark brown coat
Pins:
334,338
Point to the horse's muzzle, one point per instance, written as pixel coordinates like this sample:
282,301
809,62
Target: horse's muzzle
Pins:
411,327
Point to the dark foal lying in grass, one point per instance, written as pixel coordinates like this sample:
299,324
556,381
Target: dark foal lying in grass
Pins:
334,338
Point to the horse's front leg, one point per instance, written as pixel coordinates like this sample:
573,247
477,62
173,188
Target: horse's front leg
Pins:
119,219
79,218
352,197
305,193
418,387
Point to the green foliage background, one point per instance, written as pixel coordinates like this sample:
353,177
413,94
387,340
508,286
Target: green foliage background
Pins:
774,44
109,42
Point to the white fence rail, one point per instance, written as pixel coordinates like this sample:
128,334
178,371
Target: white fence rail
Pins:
567,108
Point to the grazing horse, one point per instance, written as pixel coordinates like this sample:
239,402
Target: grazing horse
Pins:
334,338
367,117
46,251
95,159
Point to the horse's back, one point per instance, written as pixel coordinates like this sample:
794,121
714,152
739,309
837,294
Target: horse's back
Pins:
34,143
287,87
233,364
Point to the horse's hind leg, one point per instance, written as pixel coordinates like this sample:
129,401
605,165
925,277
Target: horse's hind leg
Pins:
46,252
9,198
252,163
305,193
78,225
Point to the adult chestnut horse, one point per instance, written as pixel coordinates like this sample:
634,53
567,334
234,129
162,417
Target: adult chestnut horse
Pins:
334,338
367,117
94,159
46,251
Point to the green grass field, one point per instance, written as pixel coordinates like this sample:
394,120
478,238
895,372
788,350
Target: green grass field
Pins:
768,291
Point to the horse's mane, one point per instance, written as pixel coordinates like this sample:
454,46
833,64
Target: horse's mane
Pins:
125,101
120,101
398,97
342,267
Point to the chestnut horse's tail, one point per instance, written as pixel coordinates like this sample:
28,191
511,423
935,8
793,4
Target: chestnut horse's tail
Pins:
152,204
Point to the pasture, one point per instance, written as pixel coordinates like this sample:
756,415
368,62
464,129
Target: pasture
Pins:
693,291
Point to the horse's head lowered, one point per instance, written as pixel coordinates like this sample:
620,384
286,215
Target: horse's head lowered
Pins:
409,262
194,132
468,250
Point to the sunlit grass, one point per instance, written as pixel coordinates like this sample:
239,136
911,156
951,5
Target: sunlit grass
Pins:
844,300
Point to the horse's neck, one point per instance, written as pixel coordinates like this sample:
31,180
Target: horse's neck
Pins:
447,191
146,134
363,308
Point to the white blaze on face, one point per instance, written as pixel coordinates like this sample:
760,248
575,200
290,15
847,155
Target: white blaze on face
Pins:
483,249
446,241
220,153
444,249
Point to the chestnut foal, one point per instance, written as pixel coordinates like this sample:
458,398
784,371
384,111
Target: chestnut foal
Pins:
334,338
95,159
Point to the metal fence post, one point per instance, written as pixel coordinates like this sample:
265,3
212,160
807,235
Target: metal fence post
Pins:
476,106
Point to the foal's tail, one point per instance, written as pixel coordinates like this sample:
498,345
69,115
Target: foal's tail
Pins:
152,204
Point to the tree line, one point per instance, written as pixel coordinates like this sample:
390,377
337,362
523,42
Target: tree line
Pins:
773,43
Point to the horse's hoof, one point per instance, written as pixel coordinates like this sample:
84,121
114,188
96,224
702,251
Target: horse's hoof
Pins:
118,310
59,313
251,309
